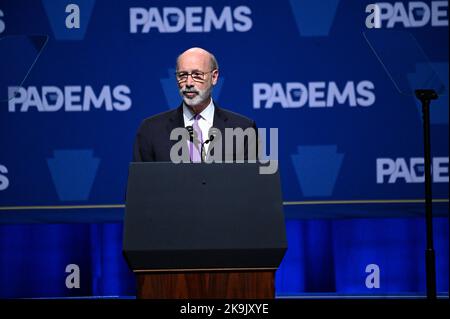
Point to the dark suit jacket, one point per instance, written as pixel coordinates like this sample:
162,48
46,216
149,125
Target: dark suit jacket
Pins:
153,142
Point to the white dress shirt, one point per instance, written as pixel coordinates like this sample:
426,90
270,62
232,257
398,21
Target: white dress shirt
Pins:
205,122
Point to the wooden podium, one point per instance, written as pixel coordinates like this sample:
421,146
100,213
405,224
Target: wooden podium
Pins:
211,284
203,230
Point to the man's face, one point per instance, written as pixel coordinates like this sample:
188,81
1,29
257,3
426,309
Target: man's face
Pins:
195,79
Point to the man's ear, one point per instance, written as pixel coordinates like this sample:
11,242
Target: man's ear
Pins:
215,77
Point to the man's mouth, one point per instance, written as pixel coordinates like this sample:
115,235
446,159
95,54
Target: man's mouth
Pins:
190,94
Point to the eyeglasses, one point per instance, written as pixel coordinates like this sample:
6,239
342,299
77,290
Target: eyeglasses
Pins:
197,76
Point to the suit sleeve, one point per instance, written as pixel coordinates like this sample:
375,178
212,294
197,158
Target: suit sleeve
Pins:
142,151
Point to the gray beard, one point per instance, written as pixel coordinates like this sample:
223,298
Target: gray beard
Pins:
200,98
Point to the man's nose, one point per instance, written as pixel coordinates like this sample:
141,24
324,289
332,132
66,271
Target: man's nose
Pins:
189,81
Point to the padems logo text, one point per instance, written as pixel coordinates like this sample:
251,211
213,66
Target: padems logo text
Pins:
190,19
313,94
393,170
74,98
414,14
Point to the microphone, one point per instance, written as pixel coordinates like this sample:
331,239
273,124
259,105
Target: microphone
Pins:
194,140
212,133
190,130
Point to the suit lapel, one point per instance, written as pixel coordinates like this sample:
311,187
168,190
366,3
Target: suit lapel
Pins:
220,122
176,119
220,119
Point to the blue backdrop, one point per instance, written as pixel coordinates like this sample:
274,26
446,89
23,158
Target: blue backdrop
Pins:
78,77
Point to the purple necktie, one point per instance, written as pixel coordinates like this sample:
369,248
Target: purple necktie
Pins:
194,148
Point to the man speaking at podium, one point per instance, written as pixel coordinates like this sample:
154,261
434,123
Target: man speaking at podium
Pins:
197,72
181,252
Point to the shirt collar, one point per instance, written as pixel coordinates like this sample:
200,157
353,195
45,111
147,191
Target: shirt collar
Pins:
207,113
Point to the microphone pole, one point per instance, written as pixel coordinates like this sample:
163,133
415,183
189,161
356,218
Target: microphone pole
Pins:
203,152
212,135
192,137
190,130
425,96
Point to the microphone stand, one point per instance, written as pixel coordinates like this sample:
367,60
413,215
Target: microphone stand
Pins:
192,138
202,151
425,97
